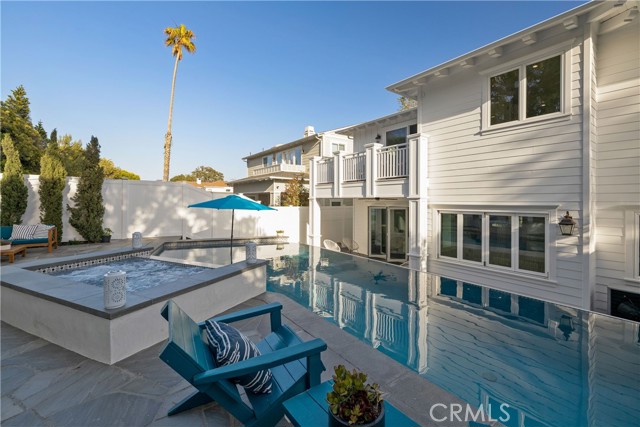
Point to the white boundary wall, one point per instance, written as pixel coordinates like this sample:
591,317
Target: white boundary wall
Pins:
157,209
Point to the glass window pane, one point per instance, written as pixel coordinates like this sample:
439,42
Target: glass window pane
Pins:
472,293
472,237
531,309
298,156
500,240
504,97
500,300
543,87
531,244
413,129
448,287
397,136
449,235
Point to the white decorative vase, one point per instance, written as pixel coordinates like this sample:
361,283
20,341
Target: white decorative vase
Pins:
136,240
251,250
115,289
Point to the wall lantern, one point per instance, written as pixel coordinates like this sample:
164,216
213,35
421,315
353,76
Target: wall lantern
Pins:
566,225
566,326
378,138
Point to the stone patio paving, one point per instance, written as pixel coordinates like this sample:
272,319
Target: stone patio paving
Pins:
43,384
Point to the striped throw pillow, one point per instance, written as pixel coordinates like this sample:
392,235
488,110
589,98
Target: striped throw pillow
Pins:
42,231
22,232
229,345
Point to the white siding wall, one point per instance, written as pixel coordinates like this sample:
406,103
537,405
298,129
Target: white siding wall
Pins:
336,222
526,165
618,158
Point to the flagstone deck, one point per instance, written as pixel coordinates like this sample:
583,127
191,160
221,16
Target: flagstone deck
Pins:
43,384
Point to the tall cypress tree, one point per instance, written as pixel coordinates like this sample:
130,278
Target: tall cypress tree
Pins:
15,120
88,210
13,190
52,182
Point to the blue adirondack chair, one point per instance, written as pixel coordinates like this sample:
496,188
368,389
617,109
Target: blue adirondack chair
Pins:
296,365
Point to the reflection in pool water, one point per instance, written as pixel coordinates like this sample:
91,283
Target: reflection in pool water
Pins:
553,365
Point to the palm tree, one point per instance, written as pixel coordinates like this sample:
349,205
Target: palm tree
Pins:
178,38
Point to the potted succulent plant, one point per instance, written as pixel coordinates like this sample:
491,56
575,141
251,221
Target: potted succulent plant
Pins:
353,401
106,235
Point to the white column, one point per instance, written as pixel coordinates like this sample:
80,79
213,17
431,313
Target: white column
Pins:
371,175
338,173
313,236
418,202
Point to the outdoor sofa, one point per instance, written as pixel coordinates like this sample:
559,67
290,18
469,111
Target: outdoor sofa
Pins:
33,239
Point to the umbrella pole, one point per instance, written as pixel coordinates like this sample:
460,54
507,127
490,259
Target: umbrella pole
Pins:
233,211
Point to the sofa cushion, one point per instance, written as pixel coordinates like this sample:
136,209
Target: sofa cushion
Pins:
228,346
29,241
42,231
23,232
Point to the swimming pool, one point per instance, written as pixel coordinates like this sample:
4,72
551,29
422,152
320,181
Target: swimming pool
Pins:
220,255
551,365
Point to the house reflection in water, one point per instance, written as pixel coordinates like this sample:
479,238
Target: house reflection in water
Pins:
553,365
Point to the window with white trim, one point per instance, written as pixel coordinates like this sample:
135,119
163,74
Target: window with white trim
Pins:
506,241
528,89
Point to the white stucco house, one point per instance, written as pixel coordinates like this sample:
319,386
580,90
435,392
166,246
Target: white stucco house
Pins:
505,140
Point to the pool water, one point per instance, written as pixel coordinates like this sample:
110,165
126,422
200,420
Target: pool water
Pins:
222,255
551,365
142,273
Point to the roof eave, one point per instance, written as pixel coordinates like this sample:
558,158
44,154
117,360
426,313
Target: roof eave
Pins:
415,79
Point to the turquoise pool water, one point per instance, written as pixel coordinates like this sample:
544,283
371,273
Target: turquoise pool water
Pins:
142,273
551,365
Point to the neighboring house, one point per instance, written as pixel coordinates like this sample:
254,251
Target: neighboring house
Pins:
505,140
269,171
213,187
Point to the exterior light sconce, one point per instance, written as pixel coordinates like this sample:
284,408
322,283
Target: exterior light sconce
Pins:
566,326
566,225
378,137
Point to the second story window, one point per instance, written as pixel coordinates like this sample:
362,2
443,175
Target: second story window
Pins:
530,90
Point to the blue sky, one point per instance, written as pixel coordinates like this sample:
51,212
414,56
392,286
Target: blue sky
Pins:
262,71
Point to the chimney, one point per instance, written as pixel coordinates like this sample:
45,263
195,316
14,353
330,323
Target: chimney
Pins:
309,130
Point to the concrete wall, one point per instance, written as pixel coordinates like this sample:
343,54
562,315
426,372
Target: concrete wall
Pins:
157,209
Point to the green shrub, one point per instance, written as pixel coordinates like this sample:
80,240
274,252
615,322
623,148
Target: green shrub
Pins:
13,191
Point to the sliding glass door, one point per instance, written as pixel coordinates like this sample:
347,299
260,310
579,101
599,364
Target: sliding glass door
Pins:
378,232
388,233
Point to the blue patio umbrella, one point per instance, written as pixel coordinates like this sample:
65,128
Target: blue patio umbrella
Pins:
232,202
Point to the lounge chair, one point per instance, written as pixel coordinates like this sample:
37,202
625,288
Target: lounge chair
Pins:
331,245
296,366
351,245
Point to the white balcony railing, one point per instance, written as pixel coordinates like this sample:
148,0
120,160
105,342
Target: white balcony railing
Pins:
354,167
392,161
325,171
281,167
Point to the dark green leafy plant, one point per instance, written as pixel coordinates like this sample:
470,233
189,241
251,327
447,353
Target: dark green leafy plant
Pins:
13,191
52,183
88,210
352,398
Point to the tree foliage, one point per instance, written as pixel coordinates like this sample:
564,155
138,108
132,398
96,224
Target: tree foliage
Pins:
406,103
15,120
13,191
111,171
88,210
52,183
205,173
72,155
295,193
